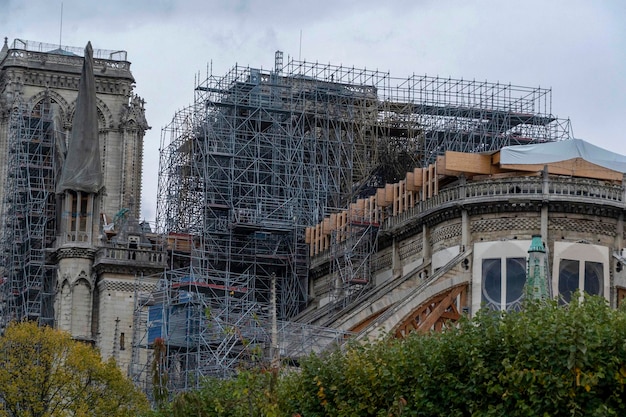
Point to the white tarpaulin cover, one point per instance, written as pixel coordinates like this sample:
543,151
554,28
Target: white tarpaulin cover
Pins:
544,153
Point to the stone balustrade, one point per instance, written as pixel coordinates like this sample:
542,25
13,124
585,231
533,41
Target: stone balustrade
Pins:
575,190
517,189
124,255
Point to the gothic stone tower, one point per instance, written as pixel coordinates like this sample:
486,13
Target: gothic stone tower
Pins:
31,71
99,133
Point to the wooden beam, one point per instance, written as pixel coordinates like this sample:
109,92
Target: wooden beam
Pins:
410,181
436,313
576,167
381,197
418,175
512,174
473,163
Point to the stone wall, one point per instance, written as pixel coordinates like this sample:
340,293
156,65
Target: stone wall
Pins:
575,211
495,226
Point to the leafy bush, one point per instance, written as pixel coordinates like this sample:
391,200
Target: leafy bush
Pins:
547,360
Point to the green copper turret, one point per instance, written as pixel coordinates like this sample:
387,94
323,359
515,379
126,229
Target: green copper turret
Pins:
538,274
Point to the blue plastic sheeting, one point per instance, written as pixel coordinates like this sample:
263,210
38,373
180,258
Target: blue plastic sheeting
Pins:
155,322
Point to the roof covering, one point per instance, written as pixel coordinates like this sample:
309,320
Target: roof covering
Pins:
552,152
81,170
61,51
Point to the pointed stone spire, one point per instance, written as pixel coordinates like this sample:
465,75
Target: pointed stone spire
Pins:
5,48
538,275
82,168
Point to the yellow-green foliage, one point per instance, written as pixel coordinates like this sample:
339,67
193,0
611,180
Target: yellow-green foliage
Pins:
44,373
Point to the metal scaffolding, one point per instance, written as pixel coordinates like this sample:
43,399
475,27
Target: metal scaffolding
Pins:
351,268
208,330
29,216
204,336
261,155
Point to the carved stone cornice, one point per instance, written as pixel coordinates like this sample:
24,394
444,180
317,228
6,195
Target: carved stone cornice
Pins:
74,252
129,286
503,207
319,271
69,80
584,208
128,269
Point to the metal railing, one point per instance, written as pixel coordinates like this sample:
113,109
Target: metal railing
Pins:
35,46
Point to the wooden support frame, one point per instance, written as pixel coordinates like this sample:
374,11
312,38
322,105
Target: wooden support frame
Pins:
436,314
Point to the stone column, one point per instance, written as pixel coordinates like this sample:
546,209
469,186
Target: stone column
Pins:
396,262
426,249
544,205
619,233
465,224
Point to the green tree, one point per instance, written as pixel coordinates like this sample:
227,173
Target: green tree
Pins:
249,394
44,373
547,360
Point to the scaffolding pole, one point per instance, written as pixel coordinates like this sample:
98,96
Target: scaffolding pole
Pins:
205,333
352,252
29,216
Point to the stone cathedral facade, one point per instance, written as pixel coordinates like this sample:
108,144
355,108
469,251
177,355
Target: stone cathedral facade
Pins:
89,248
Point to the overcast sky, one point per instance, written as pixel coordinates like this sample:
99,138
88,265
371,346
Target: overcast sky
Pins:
576,48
